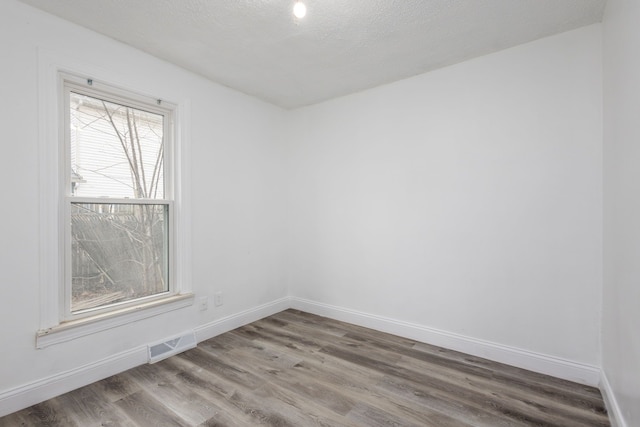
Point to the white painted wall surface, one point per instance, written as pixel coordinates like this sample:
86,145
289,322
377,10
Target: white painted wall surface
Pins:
621,300
468,199
237,194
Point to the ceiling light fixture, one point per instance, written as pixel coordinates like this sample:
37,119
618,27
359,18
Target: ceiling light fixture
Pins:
299,9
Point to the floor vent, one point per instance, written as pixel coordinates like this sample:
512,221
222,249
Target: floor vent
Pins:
173,346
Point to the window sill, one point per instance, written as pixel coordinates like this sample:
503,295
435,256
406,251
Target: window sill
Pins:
71,330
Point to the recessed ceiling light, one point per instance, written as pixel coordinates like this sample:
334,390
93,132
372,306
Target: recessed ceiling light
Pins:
299,9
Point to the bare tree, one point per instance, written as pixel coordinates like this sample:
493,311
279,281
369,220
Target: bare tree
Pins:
144,188
119,250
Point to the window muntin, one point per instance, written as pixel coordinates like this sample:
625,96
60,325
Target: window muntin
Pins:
118,206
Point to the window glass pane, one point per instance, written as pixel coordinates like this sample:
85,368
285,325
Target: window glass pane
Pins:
116,151
119,252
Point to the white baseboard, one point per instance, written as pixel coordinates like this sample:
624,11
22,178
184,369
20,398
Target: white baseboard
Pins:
537,362
24,396
615,414
234,321
21,397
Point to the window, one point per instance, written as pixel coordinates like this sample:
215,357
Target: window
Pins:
114,217
117,199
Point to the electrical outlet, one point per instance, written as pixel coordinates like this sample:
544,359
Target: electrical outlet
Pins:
203,303
218,300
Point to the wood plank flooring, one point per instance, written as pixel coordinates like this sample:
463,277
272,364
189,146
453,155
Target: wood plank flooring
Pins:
297,369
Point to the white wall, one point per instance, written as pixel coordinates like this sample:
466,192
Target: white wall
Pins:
621,301
468,199
237,194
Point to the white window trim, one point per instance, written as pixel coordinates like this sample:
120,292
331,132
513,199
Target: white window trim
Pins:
52,330
74,84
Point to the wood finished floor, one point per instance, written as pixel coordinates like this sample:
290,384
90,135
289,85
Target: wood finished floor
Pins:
297,369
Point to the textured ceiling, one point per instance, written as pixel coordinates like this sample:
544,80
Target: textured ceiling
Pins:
340,47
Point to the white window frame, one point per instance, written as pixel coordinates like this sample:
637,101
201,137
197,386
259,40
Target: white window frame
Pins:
57,325
73,84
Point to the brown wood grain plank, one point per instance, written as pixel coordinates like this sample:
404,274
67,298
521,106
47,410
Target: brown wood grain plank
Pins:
573,411
143,409
48,413
298,369
86,407
115,387
179,399
234,374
